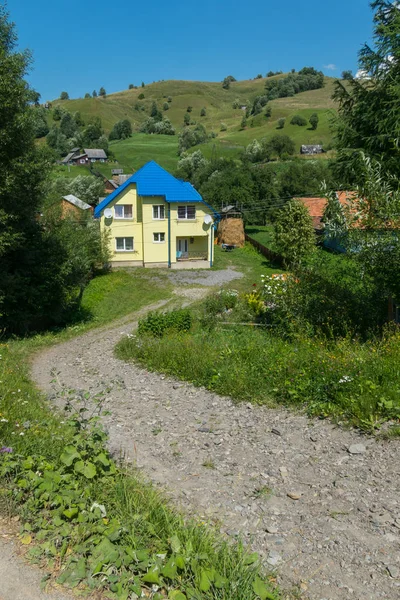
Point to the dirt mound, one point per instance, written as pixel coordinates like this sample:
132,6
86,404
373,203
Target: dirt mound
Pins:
231,231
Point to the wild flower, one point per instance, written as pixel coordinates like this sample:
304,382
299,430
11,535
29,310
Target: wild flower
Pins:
6,450
345,379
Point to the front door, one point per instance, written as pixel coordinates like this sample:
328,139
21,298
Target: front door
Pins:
182,248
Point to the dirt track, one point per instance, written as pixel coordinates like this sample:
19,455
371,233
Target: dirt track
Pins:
326,519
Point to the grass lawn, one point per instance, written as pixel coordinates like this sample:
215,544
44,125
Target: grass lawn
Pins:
263,234
247,260
80,513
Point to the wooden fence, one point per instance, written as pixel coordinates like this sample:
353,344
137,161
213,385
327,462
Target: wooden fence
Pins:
272,256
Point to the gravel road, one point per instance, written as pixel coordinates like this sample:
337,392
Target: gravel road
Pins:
320,503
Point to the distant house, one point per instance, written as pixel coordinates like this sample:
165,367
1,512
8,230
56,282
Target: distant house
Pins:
316,207
116,172
89,155
313,149
110,185
73,206
230,212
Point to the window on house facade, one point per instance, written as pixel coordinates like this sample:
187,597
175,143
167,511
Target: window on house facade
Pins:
159,238
123,211
124,244
186,212
158,211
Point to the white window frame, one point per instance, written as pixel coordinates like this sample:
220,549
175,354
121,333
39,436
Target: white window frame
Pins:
159,207
124,249
186,218
123,218
159,234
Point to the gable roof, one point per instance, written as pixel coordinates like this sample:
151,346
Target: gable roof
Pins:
76,202
95,153
153,180
316,206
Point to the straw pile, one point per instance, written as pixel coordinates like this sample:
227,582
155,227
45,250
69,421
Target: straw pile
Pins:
231,231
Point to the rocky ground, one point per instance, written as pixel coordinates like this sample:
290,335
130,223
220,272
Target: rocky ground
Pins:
318,502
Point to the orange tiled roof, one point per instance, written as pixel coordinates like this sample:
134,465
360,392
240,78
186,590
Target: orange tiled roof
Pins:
316,206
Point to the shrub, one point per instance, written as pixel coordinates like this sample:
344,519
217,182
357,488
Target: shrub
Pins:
203,112
281,123
165,106
223,127
141,96
298,120
64,96
314,119
158,324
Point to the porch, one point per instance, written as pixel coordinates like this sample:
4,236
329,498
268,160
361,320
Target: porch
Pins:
192,250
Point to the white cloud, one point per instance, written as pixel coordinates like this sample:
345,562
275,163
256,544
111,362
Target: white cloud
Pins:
330,67
361,74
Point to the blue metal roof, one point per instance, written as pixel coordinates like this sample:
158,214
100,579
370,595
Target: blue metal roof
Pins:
153,180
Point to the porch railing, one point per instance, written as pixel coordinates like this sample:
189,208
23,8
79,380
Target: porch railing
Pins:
199,255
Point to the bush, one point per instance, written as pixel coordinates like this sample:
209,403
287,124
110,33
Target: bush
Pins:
64,96
223,127
203,112
281,123
158,324
165,106
141,96
121,130
298,120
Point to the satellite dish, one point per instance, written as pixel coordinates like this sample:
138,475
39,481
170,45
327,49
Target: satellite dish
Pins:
207,219
108,213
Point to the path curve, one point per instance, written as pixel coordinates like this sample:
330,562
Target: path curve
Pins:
244,467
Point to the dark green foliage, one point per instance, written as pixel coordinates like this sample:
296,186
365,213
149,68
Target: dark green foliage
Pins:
40,120
258,103
141,96
369,107
298,120
64,96
280,145
102,92
294,83
268,111
191,137
243,122
189,109
57,140
169,99
186,119
203,112
143,84
58,112
154,112
92,132
314,120
259,76
272,73
131,86
158,324
68,125
347,75
121,130
294,236
304,177
281,123
163,127
94,94
78,119
87,95
226,84
165,106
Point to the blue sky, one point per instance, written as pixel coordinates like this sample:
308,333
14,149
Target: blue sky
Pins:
81,46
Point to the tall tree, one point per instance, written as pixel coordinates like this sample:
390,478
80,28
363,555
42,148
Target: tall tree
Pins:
294,233
369,106
29,285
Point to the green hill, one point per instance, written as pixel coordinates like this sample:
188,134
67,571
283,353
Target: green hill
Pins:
218,104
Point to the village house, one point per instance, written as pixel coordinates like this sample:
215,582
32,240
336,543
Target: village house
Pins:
89,155
156,220
311,149
71,206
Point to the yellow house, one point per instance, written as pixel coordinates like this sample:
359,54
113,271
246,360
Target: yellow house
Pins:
156,220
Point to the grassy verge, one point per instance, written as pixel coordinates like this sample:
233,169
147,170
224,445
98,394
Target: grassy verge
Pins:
91,522
246,260
262,234
352,381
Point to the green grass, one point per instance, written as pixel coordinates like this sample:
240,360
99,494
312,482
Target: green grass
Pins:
246,260
55,500
137,150
262,234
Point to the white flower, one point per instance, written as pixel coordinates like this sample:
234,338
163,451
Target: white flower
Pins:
3,420
345,379
22,433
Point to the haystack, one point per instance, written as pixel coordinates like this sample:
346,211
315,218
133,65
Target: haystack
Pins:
231,231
